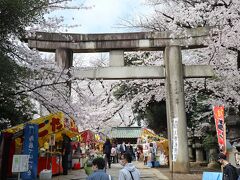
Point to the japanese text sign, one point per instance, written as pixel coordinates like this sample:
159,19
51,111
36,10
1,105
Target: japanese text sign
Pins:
220,127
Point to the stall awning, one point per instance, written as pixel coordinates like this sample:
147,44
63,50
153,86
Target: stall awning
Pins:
87,136
126,132
51,124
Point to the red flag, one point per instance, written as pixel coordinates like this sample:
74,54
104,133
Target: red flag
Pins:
218,112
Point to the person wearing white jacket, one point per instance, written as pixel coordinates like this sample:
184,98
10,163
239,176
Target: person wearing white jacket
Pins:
129,171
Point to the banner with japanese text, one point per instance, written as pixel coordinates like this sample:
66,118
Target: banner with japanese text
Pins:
218,112
30,147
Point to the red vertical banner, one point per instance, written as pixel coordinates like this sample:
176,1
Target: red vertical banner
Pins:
218,112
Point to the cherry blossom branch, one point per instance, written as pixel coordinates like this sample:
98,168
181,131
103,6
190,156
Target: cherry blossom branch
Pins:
37,87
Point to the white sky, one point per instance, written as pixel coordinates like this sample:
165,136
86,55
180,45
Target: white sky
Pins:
104,16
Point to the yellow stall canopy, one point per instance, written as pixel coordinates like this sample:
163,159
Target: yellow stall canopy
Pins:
52,124
148,132
163,146
162,143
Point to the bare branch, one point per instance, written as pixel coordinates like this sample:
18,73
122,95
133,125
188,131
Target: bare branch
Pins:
37,87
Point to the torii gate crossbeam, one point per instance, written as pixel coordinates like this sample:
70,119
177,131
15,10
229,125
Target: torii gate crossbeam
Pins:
64,45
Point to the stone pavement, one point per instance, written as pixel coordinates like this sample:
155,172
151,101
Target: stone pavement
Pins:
146,173
178,176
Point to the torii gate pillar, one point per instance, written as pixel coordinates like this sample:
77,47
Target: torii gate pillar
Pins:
64,58
176,115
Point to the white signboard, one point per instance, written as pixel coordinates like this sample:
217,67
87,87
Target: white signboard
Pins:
175,139
20,163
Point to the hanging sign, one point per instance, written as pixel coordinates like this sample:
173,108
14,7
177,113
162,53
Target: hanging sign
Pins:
175,140
218,112
30,147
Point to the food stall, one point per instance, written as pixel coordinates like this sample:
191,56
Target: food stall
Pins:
87,137
159,143
88,141
100,139
87,144
50,129
77,154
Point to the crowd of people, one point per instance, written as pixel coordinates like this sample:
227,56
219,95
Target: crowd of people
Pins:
113,153
123,153
96,160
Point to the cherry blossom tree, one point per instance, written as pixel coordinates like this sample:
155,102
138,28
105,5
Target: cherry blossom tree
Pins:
222,52
43,80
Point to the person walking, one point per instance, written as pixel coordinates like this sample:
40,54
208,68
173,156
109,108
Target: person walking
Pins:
66,150
98,165
129,171
129,149
113,154
229,171
118,152
152,155
123,148
107,152
138,153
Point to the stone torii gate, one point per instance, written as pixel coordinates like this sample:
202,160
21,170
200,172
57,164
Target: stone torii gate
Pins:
174,72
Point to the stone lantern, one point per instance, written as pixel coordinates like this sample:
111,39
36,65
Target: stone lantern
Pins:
199,133
190,149
199,150
233,133
233,124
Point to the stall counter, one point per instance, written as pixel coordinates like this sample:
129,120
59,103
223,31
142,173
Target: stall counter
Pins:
49,161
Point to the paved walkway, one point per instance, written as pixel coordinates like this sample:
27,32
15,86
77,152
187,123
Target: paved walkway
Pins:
178,176
146,173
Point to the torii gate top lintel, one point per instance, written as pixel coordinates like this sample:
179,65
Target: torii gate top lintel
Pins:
133,41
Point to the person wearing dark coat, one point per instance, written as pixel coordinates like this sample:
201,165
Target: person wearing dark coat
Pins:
66,150
123,147
129,149
229,171
107,151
